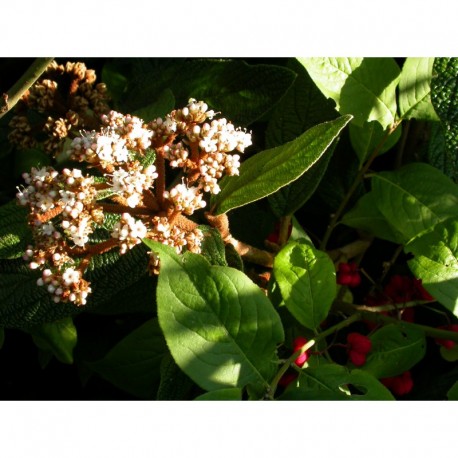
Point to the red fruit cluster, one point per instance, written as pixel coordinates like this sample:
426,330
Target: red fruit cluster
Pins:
399,385
448,344
358,346
400,289
348,274
298,343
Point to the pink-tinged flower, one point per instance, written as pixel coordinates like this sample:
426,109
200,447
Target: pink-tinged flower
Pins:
348,274
358,346
298,343
447,343
399,385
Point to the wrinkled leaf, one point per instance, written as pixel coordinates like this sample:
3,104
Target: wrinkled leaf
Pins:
163,105
221,329
307,280
242,92
395,349
444,97
435,262
268,171
362,87
15,234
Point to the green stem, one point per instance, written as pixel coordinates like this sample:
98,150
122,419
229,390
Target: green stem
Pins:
355,185
307,346
24,83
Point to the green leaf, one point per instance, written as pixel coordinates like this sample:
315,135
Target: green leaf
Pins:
15,234
23,303
362,87
133,364
242,93
301,108
452,393
224,394
212,246
58,338
331,382
395,349
175,384
414,198
268,171
415,89
220,327
444,97
437,155
367,137
290,198
435,262
163,105
365,215
307,280
24,160
115,79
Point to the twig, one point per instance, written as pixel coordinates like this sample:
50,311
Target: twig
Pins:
24,83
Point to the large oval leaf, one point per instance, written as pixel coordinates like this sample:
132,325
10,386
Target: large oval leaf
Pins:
395,349
362,87
436,263
221,329
414,198
133,363
415,89
330,382
307,280
268,171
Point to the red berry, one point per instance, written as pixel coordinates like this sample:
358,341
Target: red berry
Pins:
345,268
298,343
355,280
287,378
357,358
344,278
408,314
447,343
399,385
420,291
359,343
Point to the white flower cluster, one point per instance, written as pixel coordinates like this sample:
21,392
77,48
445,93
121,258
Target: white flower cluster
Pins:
130,128
131,183
173,236
129,232
202,149
105,147
63,206
184,199
70,194
68,286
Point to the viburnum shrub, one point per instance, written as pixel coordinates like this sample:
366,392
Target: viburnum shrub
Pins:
233,229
